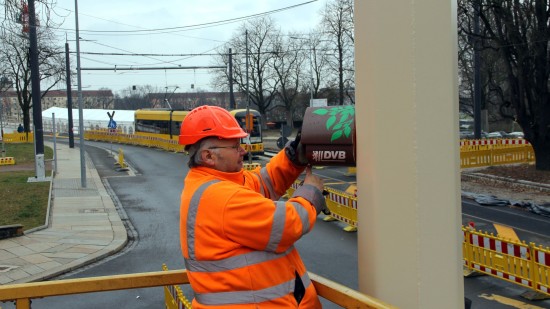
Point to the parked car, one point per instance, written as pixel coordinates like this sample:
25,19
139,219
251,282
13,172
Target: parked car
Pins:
516,135
471,135
495,135
466,135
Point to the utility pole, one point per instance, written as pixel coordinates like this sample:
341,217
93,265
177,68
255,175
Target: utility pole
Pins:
69,96
35,85
477,74
232,104
247,90
248,98
2,128
80,111
311,72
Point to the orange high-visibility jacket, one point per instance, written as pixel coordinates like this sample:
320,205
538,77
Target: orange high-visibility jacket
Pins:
238,239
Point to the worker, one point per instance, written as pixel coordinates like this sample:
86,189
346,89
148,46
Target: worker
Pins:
237,237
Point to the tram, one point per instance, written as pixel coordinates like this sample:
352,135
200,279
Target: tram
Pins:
255,143
166,123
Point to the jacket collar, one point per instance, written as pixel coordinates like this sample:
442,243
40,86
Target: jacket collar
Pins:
237,177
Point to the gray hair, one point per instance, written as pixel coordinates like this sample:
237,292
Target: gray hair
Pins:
194,150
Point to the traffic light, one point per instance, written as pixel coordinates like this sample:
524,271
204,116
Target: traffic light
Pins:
249,122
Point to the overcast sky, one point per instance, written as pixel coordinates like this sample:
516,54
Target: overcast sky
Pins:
134,15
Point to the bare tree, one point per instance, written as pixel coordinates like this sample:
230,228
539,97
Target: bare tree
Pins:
338,25
493,78
14,54
262,79
5,83
320,54
291,56
519,32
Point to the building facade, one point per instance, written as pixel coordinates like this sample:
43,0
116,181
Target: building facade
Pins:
91,99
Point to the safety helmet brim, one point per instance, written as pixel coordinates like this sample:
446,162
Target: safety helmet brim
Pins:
205,121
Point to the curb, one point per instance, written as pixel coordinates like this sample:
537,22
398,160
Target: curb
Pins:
514,182
48,210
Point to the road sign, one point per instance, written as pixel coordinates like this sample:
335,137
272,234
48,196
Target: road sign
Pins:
285,130
318,102
281,142
112,124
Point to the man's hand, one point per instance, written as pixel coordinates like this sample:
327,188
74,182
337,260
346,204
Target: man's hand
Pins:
313,179
296,151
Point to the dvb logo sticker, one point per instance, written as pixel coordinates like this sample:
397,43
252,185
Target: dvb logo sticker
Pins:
329,155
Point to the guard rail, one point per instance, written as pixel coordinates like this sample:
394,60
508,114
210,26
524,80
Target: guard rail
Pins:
23,293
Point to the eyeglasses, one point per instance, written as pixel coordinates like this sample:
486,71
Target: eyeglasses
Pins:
237,147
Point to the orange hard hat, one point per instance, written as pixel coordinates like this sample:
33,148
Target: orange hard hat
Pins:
205,121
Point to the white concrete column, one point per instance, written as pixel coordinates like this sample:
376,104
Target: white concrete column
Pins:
408,176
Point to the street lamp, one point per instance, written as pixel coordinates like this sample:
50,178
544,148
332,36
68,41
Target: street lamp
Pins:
80,111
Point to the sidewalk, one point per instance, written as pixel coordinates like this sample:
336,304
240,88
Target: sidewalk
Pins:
84,226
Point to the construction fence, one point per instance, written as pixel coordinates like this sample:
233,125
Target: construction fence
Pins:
18,137
524,264
488,152
473,153
518,262
173,296
133,139
342,206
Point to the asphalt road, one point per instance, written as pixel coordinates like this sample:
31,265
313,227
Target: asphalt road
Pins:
150,199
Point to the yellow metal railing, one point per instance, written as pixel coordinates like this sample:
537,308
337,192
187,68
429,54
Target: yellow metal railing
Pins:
518,262
496,155
173,296
342,206
251,166
132,139
524,264
473,153
149,141
482,252
23,293
18,137
7,161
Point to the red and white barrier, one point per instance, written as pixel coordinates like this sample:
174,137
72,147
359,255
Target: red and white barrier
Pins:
482,142
501,247
543,259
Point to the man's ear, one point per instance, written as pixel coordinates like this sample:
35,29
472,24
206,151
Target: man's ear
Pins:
207,157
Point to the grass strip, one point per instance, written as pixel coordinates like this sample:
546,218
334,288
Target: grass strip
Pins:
23,202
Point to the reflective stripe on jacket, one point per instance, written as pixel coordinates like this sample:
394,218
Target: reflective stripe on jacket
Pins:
238,239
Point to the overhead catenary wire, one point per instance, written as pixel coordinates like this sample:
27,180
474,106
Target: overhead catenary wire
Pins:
130,68
196,26
108,64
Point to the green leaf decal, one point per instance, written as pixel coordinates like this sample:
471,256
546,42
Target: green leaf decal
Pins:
344,117
336,135
347,131
331,120
339,120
